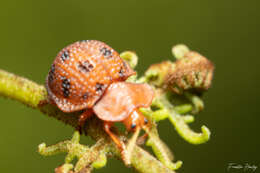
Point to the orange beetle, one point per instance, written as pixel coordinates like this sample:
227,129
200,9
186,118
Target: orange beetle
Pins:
89,75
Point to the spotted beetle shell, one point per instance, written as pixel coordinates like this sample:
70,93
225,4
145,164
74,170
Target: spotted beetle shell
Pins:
81,72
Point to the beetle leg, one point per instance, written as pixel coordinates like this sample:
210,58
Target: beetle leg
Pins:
141,140
121,146
82,119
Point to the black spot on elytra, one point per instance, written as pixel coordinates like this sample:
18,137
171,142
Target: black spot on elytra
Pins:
123,70
106,52
85,66
122,73
126,66
100,87
85,96
65,86
51,73
65,55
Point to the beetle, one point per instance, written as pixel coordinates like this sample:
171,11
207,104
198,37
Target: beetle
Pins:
89,75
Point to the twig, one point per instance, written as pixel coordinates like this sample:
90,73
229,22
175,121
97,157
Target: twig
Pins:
31,94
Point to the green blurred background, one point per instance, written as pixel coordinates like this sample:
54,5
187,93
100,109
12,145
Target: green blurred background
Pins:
227,32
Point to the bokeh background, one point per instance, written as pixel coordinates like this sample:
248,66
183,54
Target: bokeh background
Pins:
227,32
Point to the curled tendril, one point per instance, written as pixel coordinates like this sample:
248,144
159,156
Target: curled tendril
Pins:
188,134
188,119
87,157
130,57
157,73
196,101
178,121
160,149
101,161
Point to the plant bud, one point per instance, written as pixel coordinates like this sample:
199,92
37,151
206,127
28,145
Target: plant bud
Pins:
193,71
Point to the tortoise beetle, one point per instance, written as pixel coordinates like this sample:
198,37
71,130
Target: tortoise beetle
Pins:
90,76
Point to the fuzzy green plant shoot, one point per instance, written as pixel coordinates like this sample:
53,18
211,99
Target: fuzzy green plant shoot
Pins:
178,86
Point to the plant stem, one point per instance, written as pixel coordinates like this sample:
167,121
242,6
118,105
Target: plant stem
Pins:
33,94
